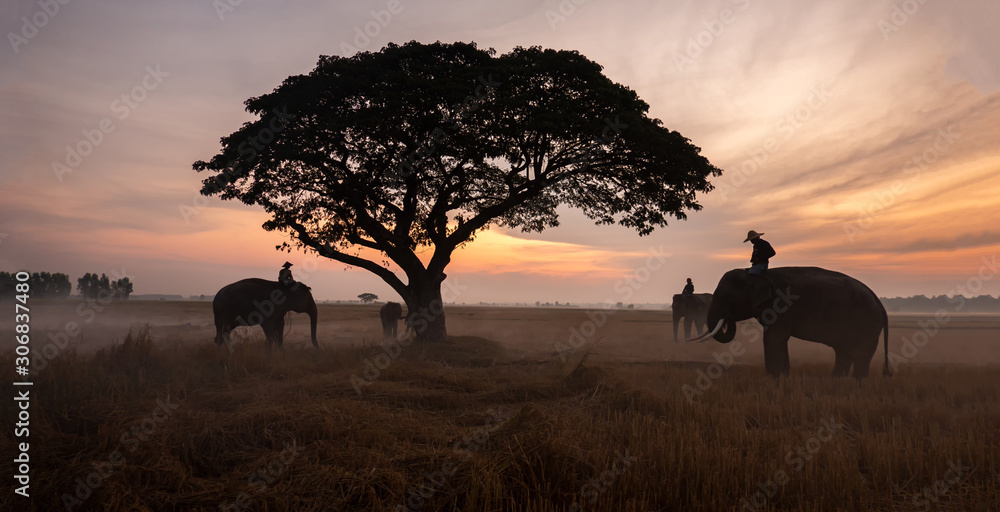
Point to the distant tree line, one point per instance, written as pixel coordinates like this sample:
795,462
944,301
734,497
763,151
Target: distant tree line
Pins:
92,287
44,285
956,304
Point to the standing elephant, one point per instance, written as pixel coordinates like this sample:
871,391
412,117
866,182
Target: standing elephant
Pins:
809,303
264,303
693,309
391,313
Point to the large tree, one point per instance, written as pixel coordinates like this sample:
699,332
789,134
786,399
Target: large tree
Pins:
385,156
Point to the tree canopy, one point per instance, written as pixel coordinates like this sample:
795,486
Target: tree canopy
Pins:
418,147
43,285
92,286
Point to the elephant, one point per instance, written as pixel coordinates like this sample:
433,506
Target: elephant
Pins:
809,303
391,313
694,310
264,303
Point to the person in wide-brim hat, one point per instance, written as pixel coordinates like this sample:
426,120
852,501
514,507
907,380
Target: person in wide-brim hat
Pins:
285,275
762,252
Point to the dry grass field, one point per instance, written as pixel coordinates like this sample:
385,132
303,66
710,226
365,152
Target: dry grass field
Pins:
143,412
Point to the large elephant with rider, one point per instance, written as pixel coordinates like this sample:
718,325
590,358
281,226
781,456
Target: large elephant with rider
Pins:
693,308
809,303
264,303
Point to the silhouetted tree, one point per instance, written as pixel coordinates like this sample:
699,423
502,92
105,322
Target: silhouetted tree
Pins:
121,288
88,285
419,147
92,286
368,297
45,285
7,284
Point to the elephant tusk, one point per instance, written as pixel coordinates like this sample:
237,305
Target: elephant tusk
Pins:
707,335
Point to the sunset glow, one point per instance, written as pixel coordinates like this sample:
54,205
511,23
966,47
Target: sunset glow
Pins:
869,150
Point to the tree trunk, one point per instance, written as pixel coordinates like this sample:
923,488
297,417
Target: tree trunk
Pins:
425,310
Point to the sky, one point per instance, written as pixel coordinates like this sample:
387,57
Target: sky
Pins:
859,136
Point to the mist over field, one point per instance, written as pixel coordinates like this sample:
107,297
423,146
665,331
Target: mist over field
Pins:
534,255
527,409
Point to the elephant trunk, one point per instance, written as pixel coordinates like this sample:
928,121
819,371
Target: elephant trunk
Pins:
677,318
715,315
312,323
727,333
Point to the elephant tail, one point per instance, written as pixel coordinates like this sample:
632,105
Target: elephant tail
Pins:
885,342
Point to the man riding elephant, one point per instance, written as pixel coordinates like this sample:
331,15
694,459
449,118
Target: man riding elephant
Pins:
285,275
688,294
762,252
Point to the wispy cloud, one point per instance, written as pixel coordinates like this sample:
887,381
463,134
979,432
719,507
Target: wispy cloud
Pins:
746,94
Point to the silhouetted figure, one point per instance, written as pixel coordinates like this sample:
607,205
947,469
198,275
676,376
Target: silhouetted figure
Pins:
760,289
688,294
285,275
390,314
762,252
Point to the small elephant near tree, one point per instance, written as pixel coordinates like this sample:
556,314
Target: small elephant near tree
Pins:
264,303
693,309
391,313
809,303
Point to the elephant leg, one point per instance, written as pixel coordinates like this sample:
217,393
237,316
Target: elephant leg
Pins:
268,335
861,367
776,352
862,356
222,333
843,363
279,330
687,327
